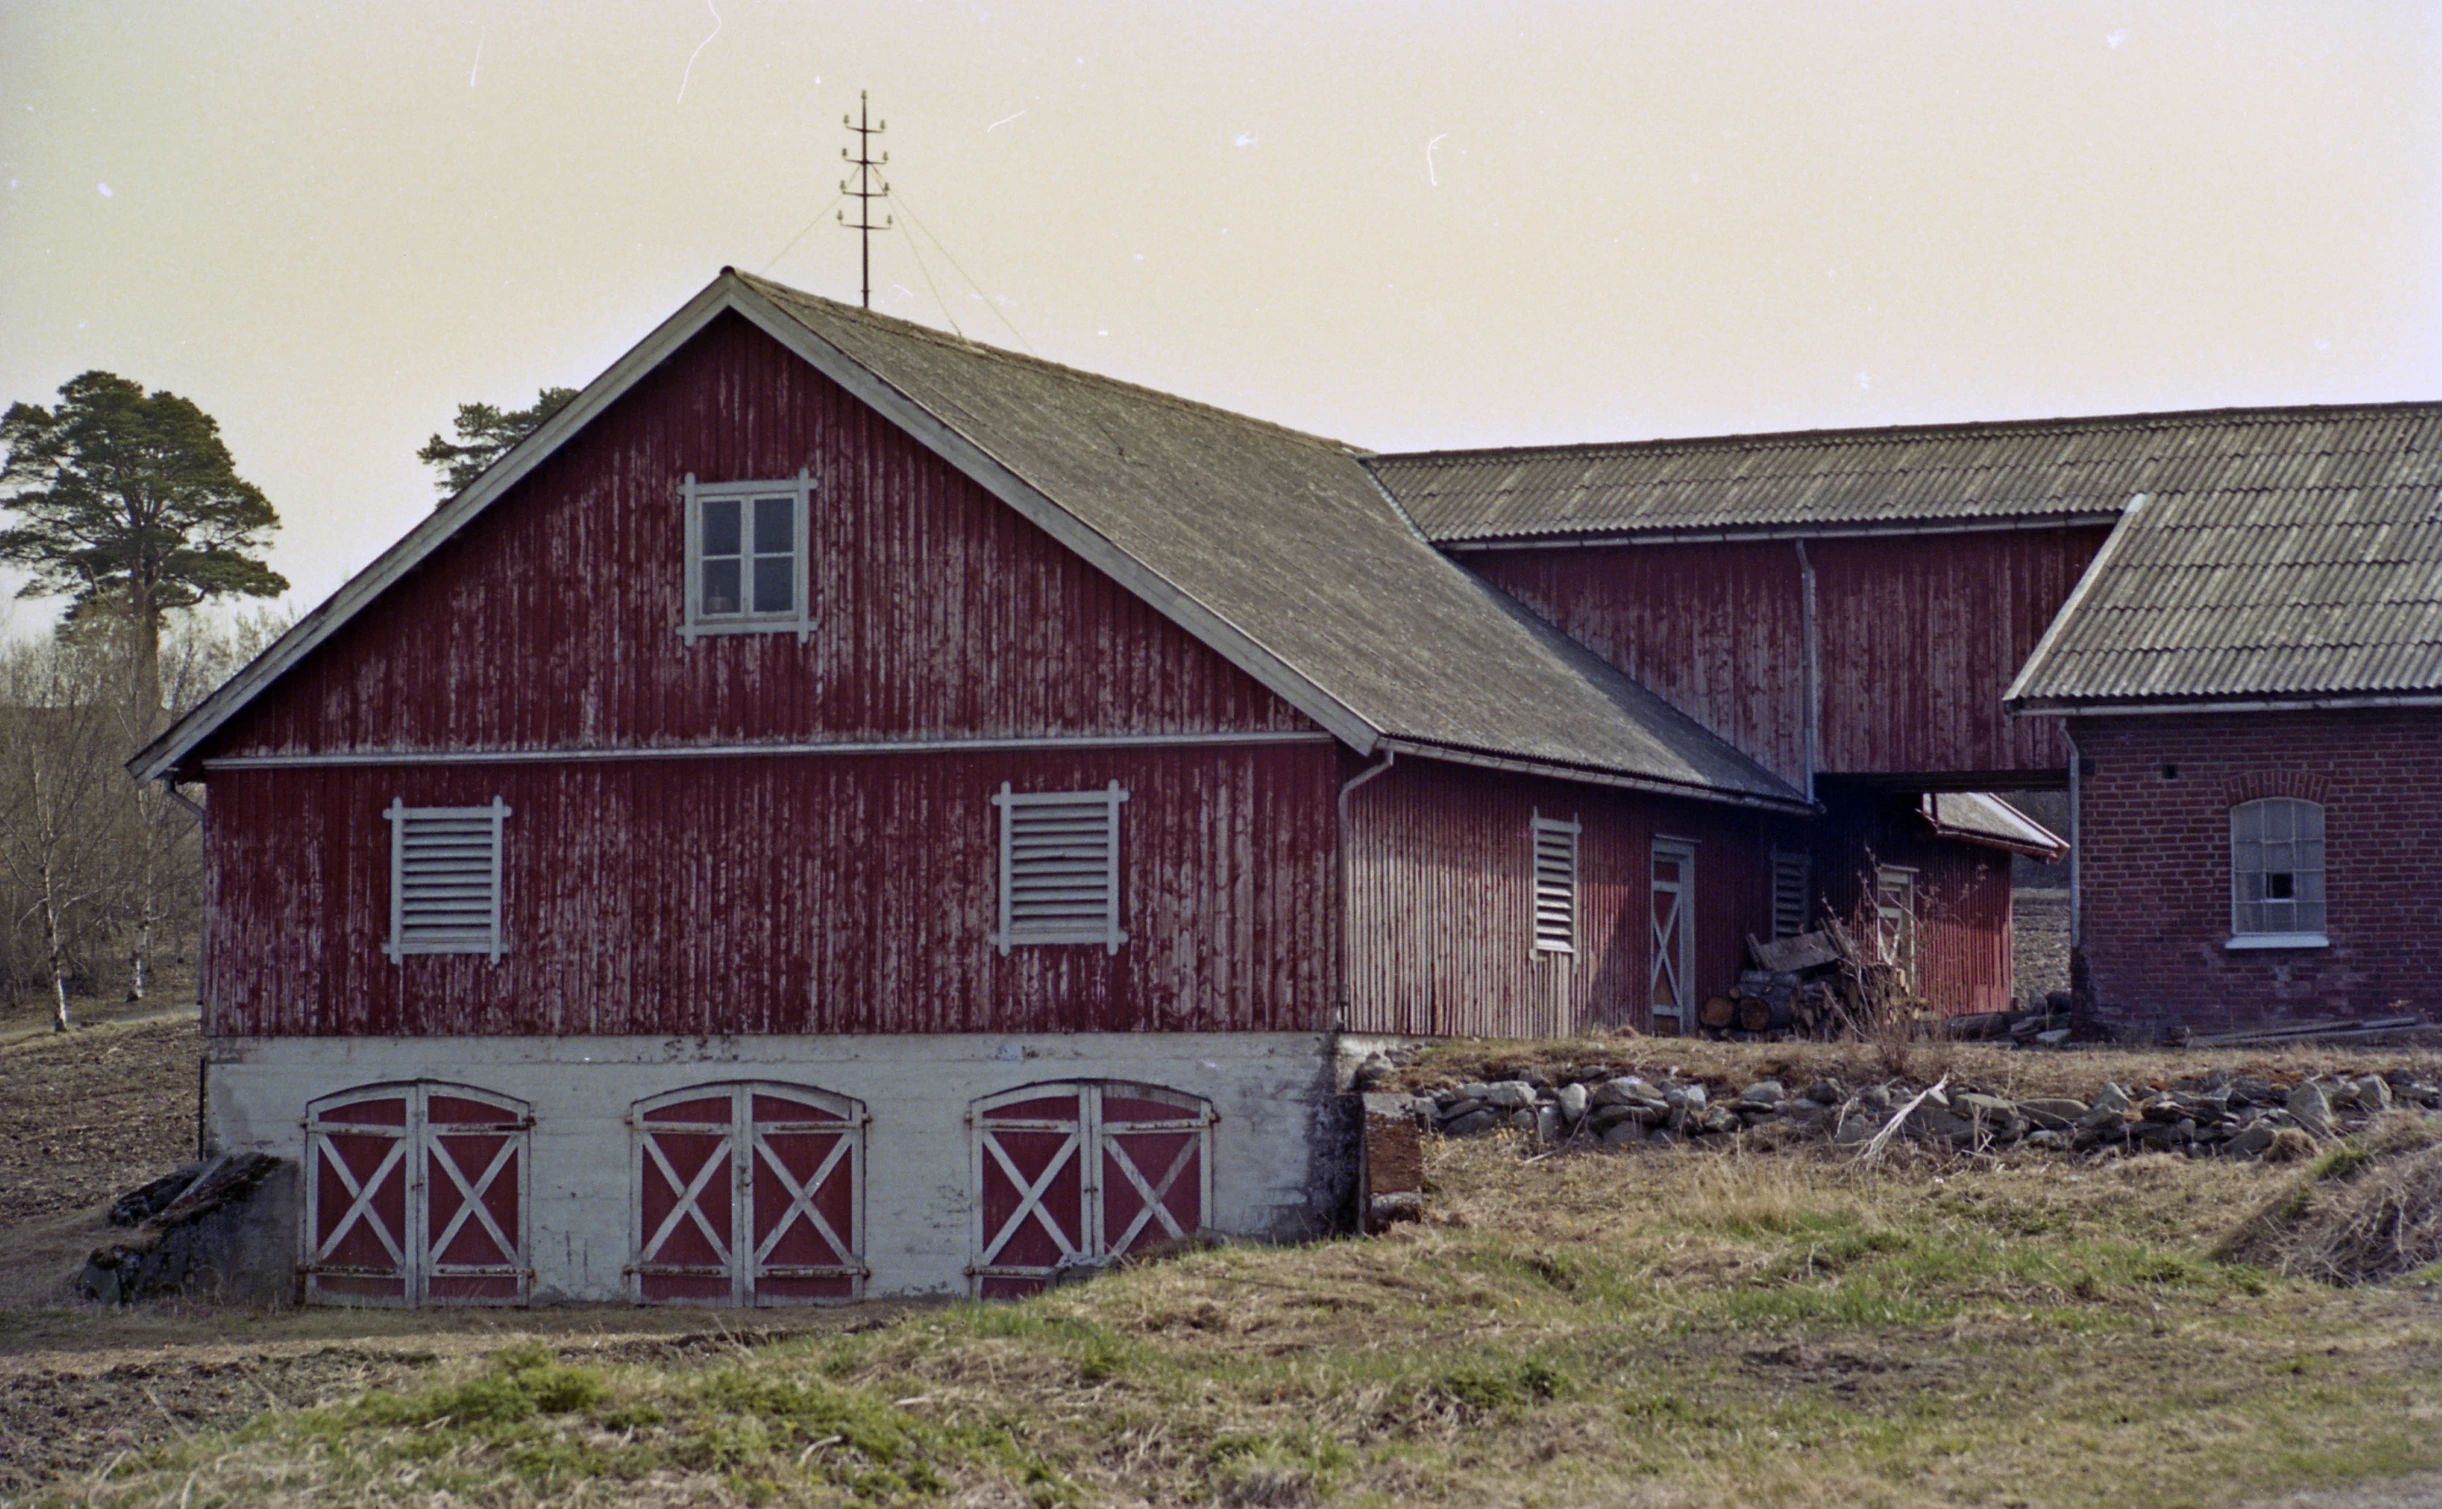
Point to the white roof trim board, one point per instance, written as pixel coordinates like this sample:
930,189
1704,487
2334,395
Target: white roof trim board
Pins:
1412,647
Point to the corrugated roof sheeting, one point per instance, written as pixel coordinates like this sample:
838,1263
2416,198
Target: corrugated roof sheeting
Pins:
1283,536
2018,471
2311,589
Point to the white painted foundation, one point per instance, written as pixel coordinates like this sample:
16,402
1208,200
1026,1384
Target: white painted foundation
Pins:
1281,1155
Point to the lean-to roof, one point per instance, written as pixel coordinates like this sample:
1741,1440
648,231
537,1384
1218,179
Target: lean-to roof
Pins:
2306,576
1276,548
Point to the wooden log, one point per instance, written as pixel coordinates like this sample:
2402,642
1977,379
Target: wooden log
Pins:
1717,1012
1977,1026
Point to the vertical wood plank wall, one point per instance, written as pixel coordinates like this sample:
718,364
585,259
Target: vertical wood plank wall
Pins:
552,620
1917,638
1440,911
1964,919
781,894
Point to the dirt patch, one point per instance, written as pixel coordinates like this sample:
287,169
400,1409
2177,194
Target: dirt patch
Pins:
88,1114
2039,942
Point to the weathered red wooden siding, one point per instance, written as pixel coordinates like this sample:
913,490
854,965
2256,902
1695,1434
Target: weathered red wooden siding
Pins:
1441,895
1922,634
551,620
781,894
1716,630
1917,638
1964,920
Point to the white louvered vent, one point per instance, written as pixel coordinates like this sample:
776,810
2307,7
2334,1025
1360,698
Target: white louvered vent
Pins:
1555,886
1792,878
445,879
1060,867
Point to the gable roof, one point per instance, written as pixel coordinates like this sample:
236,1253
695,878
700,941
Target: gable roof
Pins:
2303,571
1914,478
1275,548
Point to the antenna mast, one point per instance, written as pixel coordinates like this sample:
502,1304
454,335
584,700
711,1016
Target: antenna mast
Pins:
865,192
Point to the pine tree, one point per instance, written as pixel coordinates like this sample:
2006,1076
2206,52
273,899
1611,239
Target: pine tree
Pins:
127,501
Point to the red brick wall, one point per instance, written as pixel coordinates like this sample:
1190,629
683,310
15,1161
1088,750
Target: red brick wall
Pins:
2154,865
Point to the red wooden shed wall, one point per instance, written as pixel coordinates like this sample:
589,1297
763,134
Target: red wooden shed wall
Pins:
1441,895
1918,636
764,894
1964,920
807,893
551,620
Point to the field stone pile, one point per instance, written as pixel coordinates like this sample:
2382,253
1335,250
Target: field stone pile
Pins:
2222,1113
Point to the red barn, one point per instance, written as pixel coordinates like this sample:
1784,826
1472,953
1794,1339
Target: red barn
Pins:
844,810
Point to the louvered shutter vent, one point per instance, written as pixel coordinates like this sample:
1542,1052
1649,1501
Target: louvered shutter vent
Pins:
1790,882
1060,867
445,879
1555,886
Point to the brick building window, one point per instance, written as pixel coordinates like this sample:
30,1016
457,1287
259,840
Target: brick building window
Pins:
2276,874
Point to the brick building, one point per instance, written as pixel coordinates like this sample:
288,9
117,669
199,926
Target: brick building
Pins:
2252,676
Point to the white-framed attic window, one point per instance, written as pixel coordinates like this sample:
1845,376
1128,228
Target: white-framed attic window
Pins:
1555,885
445,880
1059,867
746,557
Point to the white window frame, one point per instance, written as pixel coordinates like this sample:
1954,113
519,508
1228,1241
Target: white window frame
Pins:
2243,936
489,940
694,623
1552,858
1895,922
1105,931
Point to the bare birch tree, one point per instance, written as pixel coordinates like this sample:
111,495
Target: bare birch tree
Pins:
61,787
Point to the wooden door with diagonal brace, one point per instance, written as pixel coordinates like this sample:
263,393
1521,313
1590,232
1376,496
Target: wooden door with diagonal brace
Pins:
748,1194
1082,1174
416,1194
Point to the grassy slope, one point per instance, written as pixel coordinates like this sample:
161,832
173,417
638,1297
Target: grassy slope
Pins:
1656,1328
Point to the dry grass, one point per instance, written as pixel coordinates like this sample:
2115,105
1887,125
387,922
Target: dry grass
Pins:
2367,1209
2004,1071
1657,1328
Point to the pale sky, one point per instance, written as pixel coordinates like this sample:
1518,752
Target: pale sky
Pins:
1406,226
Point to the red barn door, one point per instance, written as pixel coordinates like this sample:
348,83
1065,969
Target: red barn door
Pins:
416,1194
748,1194
1080,1175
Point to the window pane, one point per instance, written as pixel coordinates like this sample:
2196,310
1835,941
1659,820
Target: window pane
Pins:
2310,916
2309,885
2280,820
721,586
721,527
2279,885
775,584
775,525
2310,820
2246,822
2251,917
2280,917
2251,885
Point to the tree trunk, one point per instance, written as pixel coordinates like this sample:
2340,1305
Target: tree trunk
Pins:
144,676
56,954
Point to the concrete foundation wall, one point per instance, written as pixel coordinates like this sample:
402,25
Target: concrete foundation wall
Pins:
1283,1144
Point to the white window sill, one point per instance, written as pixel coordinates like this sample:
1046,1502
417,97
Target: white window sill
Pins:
801,627
2278,940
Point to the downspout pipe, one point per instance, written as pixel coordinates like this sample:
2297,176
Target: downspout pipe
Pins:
1347,918
1813,668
